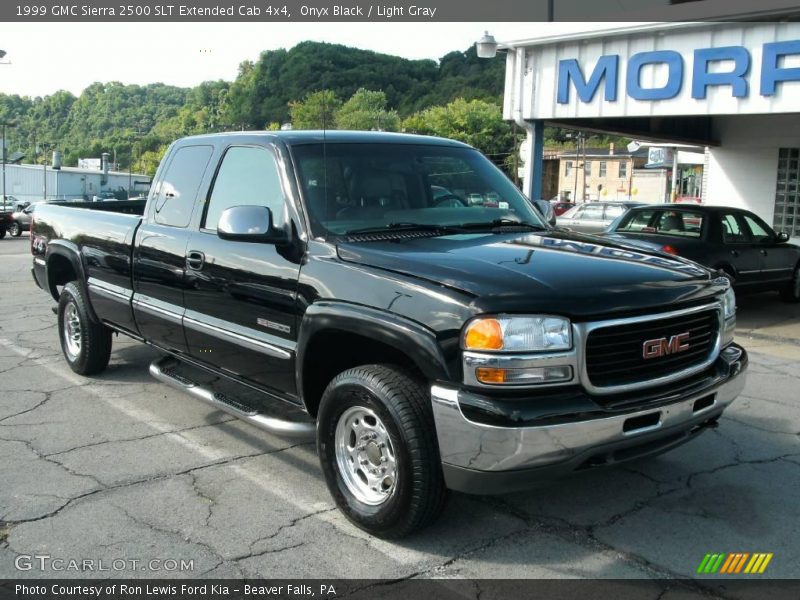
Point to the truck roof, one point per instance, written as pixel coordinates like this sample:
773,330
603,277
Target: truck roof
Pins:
296,137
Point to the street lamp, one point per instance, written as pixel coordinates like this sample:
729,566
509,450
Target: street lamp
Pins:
486,47
4,125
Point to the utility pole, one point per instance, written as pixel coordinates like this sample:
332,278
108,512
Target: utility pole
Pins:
45,147
5,145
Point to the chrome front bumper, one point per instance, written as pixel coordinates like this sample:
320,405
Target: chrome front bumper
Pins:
481,458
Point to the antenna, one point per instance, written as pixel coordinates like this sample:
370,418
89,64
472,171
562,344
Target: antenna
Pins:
325,153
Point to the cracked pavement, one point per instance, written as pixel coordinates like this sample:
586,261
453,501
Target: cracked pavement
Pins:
122,467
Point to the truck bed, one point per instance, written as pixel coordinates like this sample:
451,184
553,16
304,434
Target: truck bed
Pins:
102,238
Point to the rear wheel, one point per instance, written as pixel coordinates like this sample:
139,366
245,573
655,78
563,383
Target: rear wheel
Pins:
791,293
2,232
15,230
86,345
377,445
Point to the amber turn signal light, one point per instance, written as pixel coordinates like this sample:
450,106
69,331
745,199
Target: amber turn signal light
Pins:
489,375
484,334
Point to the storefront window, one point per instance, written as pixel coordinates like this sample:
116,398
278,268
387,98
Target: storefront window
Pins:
787,193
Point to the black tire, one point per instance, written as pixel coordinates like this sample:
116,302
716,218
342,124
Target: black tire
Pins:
15,230
90,349
2,232
403,406
791,293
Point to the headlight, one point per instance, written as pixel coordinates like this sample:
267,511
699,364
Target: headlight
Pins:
729,304
518,334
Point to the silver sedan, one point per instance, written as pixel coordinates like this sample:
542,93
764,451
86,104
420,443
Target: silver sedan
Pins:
593,217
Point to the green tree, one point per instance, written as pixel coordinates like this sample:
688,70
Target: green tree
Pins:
316,111
366,110
474,122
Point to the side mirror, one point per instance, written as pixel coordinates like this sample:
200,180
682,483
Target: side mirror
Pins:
783,237
249,224
546,209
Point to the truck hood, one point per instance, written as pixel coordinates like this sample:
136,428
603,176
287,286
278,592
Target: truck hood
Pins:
554,271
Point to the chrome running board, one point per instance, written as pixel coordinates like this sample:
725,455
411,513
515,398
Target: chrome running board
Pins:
165,370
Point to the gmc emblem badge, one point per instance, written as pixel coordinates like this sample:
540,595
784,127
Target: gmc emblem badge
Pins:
665,346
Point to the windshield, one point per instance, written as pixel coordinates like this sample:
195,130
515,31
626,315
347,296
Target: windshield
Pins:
383,186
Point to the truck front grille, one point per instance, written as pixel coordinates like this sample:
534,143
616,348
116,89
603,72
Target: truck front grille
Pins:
616,354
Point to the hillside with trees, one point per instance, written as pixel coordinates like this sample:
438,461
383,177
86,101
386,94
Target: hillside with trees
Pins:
311,85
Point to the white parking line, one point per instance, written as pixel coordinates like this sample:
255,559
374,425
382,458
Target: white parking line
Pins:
203,448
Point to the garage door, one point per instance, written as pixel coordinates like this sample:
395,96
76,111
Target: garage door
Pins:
787,194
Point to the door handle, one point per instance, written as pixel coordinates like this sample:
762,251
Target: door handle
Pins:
764,252
195,260
735,252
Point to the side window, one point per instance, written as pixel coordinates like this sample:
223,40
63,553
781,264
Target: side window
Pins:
682,223
614,210
178,189
637,220
758,230
593,212
248,176
731,231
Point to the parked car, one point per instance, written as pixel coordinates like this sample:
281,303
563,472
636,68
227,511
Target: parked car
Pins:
593,217
317,286
5,223
561,206
21,220
12,204
734,241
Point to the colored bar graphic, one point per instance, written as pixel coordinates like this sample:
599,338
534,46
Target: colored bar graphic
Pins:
733,563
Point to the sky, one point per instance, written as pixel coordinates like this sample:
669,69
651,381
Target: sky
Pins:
46,57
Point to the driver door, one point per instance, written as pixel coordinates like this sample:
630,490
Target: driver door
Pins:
776,259
241,296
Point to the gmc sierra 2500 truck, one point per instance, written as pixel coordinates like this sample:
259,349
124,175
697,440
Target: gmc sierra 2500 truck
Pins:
397,297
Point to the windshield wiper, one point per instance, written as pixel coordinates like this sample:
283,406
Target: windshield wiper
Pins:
405,226
504,222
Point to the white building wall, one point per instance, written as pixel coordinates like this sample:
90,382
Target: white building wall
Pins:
742,171
26,182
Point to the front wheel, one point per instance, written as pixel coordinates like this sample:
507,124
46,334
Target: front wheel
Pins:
86,345
791,293
376,440
15,230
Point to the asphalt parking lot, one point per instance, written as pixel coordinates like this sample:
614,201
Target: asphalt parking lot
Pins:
122,467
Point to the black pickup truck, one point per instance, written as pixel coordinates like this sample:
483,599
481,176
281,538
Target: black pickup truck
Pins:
398,298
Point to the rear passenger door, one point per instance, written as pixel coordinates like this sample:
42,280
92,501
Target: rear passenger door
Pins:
240,297
160,248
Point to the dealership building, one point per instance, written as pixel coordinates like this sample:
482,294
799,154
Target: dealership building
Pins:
732,90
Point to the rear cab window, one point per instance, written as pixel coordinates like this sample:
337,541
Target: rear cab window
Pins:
177,190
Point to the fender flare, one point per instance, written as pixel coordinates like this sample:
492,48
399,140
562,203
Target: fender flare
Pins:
391,329
72,253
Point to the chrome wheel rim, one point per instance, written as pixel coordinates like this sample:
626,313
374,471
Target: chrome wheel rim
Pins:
13,230
72,331
365,456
